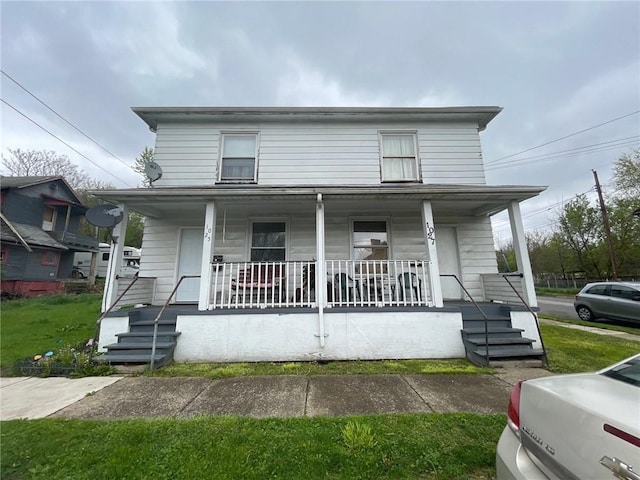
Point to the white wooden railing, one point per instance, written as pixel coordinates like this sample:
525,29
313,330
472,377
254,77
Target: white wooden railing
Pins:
373,283
263,284
379,283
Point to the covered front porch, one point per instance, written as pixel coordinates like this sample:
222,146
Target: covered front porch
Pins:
373,247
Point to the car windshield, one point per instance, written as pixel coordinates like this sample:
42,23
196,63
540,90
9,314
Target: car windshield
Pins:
628,372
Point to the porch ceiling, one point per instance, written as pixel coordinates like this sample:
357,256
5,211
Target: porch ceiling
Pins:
470,200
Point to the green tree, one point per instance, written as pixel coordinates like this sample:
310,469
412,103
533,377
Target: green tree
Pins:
626,175
580,227
141,162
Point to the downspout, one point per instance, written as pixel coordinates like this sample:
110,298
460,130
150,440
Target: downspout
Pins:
321,276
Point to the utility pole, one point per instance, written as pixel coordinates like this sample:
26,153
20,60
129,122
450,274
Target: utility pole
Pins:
607,230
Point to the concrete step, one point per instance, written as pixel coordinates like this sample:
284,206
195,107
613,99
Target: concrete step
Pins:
511,352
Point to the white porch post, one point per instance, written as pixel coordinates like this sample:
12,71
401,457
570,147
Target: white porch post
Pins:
321,274
207,256
522,255
116,254
430,240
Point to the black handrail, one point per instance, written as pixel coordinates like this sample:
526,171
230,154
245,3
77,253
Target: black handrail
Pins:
544,350
106,312
157,319
486,320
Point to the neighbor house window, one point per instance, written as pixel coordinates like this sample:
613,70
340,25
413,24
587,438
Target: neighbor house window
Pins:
238,159
4,255
370,240
399,159
268,241
49,218
50,258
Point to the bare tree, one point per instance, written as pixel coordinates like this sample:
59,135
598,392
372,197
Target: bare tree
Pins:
28,163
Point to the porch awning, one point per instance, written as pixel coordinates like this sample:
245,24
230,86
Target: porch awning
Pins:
476,200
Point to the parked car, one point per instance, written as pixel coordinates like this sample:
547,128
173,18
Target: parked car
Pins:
612,300
578,426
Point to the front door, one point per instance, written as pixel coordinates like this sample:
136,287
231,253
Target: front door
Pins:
448,261
189,263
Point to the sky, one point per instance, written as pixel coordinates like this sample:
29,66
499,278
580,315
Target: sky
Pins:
559,69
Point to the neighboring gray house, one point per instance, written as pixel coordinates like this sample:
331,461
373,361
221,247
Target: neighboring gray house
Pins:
40,219
387,209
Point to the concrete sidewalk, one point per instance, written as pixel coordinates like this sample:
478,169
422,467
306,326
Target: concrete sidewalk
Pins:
596,330
260,397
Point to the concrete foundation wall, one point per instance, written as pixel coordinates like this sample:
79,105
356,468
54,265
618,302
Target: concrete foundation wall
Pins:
528,323
294,337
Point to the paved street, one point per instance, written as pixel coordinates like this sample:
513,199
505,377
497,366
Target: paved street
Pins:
558,307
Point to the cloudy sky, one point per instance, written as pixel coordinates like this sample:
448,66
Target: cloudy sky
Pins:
557,68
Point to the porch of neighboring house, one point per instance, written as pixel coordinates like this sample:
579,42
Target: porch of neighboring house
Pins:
383,303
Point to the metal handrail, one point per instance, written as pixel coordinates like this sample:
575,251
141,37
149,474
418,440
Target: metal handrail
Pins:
486,320
544,350
157,319
106,312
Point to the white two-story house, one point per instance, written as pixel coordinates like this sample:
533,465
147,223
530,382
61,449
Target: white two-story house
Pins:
280,234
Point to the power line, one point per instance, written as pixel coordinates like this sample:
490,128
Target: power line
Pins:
516,163
565,137
62,141
64,119
576,150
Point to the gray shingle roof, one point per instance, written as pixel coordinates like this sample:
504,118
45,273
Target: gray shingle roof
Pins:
16,182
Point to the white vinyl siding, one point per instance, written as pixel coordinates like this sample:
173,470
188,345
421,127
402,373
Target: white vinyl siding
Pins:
319,154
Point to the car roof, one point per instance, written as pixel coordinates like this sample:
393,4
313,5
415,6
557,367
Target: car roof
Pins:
628,284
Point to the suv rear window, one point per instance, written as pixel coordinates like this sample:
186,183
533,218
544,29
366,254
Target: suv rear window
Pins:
598,290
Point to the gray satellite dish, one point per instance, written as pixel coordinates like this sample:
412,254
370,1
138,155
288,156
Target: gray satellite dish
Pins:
106,215
153,171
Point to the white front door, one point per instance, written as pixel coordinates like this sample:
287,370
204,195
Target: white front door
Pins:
448,261
189,262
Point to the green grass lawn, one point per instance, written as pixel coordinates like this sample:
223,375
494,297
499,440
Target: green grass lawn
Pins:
425,446
38,325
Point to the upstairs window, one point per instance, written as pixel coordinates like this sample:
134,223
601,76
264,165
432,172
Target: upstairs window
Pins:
48,219
238,160
399,159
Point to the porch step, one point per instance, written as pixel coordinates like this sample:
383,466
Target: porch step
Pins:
138,358
133,337
135,346
495,337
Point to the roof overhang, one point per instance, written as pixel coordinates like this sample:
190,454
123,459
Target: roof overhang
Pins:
480,115
473,200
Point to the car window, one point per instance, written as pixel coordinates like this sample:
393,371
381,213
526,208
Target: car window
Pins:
598,290
621,291
628,372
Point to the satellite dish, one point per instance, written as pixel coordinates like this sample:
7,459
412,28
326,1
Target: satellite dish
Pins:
153,171
106,215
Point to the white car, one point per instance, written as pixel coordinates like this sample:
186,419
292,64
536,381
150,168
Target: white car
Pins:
570,427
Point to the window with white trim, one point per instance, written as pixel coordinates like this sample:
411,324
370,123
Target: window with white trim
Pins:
49,218
238,160
268,241
370,240
399,159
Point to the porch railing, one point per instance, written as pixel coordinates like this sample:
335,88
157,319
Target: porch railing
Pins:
378,283
372,283
263,284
